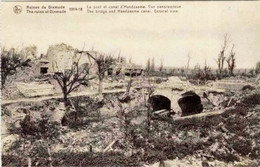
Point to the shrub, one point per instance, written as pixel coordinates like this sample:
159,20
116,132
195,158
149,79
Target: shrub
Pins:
202,75
257,69
10,61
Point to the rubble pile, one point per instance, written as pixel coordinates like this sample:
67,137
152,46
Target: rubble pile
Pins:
10,90
227,138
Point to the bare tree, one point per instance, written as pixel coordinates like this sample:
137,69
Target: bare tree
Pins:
10,61
70,79
148,66
150,92
231,61
221,58
188,65
152,65
161,66
120,58
103,62
130,60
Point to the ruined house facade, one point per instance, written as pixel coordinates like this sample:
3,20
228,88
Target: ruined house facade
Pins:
59,58
62,56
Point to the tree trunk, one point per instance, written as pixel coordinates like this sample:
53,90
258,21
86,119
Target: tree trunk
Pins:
3,78
66,102
148,113
65,95
232,73
76,116
100,86
148,119
64,120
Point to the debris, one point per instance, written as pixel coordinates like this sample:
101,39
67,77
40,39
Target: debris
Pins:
177,89
35,89
248,87
205,164
220,136
109,147
230,84
125,98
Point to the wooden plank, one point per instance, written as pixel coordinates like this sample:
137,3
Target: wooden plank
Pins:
160,111
109,146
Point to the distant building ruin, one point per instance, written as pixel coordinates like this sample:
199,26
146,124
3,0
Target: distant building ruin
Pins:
60,57
126,69
42,66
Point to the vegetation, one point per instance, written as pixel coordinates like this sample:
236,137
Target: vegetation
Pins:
221,57
257,69
231,61
148,66
187,66
10,61
202,74
35,142
161,66
152,65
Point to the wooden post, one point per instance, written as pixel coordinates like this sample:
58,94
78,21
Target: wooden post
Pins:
129,85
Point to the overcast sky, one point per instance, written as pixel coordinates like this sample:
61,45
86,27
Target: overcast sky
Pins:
197,29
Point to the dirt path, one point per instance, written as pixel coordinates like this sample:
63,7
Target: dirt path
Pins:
73,94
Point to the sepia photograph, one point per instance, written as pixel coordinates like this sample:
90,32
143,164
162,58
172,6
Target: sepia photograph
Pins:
137,83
